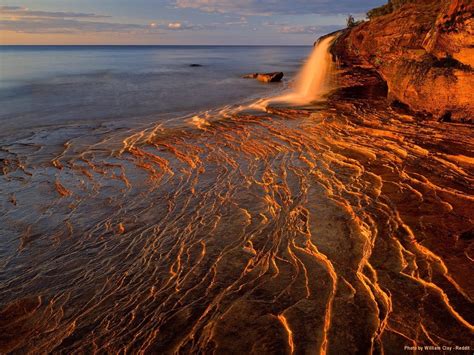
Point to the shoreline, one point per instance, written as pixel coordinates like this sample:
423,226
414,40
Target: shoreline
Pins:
340,226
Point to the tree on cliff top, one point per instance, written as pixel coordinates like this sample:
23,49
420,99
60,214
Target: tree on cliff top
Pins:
351,22
387,8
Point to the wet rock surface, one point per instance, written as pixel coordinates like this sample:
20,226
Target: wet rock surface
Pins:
340,228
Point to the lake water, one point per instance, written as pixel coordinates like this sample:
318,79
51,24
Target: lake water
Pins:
156,208
56,85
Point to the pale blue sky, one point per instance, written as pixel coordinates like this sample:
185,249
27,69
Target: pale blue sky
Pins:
174,21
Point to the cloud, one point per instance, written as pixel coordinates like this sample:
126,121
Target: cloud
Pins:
69,26
23,20
310,30
186,26
20,11
175,25
282,7
10,8
238,22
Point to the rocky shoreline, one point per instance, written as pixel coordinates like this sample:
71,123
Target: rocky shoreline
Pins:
423,51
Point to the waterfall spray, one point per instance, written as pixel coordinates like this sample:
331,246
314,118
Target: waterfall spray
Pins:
312,82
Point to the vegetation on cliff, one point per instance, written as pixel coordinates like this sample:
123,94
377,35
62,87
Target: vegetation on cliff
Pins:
388,8
423,49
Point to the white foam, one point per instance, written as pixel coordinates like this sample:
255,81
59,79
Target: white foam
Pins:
312,82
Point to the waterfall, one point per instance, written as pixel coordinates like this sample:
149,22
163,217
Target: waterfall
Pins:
313,81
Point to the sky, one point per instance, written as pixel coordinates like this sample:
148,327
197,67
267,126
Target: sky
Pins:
179,22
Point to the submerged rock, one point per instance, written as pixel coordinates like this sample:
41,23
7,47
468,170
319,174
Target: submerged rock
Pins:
265,77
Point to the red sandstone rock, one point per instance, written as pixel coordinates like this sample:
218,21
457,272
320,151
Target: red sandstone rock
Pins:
453,33
424,51
266,77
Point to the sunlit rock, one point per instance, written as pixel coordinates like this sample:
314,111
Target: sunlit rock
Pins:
265,77
423,50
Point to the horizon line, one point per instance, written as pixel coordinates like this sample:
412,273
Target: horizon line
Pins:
154,45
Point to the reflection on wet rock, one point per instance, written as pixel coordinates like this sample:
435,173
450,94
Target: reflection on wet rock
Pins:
339,229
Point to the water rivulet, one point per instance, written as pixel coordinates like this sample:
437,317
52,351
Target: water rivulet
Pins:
337,228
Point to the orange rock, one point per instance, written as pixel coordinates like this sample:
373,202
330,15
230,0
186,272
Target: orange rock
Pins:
453,33
424,51
61,189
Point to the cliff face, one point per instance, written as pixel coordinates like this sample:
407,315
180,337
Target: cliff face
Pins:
424,50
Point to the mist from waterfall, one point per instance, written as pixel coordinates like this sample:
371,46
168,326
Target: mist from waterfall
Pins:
314,79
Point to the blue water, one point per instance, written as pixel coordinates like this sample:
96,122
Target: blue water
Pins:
44,86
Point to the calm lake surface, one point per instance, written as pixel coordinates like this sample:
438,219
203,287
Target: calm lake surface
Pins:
156,208
54,85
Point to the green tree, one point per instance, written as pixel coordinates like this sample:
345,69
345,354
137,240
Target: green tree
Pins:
351,22
388,8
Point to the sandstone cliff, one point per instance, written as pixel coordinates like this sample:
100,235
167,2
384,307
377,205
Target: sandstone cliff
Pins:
423,49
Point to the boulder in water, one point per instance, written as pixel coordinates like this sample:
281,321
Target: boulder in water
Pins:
270,77
266,77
